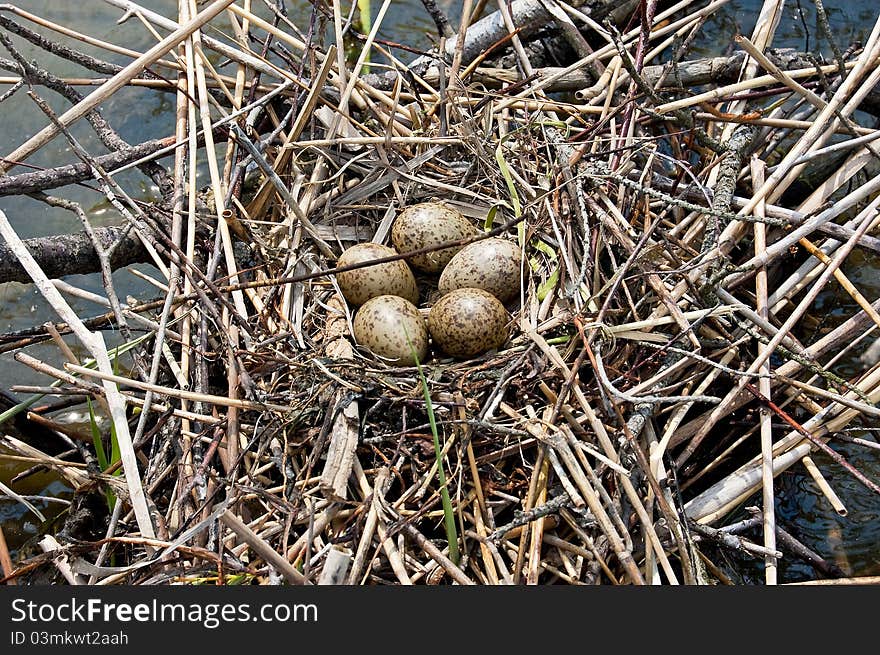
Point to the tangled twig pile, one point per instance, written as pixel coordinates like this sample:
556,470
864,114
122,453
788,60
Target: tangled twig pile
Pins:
657,372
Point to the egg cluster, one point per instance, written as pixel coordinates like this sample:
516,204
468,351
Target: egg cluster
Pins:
475,281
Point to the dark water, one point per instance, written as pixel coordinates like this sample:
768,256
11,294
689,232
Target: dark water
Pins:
138,114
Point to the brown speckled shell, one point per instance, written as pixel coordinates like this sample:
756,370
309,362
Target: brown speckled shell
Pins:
391,278
492,265
429,224
383,323
467,322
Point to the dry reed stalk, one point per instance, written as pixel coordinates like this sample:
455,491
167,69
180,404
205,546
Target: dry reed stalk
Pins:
219,192
866,217
765,29
739,87
482,514
761,290
377,523
858,580
823,485
335,568
49,544
241,34
528,504
177,393
94,342
38,460
779,74
161,348
395,559
70,472
843,280
435,554
609,49
862,407
184,183
785,123
536,536
244,57
359,563
218,82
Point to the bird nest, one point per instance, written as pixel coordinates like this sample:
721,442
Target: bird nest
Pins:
656,374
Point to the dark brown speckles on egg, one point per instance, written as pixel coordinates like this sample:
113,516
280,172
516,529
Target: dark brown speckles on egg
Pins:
383,325
492,265
467,322
429,224
393,278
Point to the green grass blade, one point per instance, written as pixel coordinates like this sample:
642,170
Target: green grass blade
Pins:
115,452
549,284
100,453
366,26
508,179
489,222
448,512
96,437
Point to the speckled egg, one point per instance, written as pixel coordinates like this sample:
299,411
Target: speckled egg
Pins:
391,278
383,324
429,224
492,265
467,322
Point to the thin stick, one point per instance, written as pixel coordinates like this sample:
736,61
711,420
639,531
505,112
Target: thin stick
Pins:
79,36
263,549
214,169
178,393
234,54
435,554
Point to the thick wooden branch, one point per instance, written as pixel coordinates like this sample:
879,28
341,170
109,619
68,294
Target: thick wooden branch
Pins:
71,254
52,178
528,15
694,72
690,73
